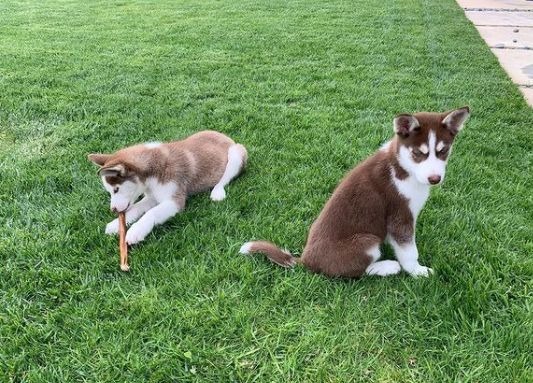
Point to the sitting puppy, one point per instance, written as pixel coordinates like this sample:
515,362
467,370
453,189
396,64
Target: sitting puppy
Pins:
165,174
378,201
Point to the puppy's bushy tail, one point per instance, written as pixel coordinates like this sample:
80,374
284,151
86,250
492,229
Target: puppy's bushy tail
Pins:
274,253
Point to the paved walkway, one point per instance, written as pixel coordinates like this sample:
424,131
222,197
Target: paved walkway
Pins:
507,27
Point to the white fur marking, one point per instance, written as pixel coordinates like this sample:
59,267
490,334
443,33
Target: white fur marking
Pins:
374,253
155,216
415,192
383,268
132,214
160,192
385,147
233,168
432,166
440,146
157,206
245,249
152,145
407,256
107,186
218,193
432,138
423,148
141,207
127,194
112,227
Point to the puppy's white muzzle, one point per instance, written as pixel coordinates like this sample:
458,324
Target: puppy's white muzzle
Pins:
119,204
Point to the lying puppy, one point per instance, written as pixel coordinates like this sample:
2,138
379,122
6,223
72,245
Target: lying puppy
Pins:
378,201
165,174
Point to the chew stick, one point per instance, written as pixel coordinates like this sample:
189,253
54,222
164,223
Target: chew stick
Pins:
123,246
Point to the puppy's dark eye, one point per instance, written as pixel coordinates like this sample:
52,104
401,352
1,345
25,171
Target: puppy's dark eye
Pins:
417,152
115,190
443,151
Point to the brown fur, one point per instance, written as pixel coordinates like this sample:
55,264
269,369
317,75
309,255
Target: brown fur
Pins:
429,121
339,239
364,208
165,174
195,163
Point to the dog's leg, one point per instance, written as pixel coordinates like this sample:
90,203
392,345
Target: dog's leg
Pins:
407,255
132,214
382,268
237,156
155,216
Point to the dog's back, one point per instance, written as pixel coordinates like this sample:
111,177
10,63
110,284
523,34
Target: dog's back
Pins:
354,218
195,164
206,155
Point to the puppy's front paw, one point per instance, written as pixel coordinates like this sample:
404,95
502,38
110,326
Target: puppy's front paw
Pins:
112,227
218,194
421,271
135,234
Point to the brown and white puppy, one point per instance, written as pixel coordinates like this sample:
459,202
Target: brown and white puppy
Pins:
378,201
165,174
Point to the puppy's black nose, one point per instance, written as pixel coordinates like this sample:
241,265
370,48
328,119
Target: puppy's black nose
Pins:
114,209
433,180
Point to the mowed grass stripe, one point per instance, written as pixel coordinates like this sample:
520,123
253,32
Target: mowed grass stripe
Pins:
311,89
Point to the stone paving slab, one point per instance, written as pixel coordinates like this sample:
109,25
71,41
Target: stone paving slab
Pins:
507,28
518,63
507,37
502,18
496,4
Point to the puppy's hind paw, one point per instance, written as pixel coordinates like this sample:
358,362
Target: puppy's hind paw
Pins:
218,194
112,227
383,268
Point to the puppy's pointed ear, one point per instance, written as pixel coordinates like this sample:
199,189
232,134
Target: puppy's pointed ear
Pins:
99,159
455,119
404,124
113,171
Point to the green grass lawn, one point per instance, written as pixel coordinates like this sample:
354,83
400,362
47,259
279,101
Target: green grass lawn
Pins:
310,87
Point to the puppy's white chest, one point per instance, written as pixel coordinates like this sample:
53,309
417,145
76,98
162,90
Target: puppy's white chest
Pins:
160,191
415,192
